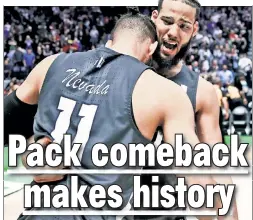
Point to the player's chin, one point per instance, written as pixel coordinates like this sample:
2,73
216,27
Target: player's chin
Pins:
166,56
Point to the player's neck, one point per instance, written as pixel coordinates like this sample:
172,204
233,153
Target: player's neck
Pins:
173,71
125,49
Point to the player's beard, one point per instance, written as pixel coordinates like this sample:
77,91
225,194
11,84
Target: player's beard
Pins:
162,63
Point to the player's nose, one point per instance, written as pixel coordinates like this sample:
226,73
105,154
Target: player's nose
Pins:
173,32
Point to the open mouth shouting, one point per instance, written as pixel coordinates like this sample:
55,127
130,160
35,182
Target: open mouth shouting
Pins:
169,48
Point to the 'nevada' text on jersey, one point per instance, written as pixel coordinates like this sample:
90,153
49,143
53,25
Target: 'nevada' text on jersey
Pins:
92,101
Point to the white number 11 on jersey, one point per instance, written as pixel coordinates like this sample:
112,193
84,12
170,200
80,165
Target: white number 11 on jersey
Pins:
87,112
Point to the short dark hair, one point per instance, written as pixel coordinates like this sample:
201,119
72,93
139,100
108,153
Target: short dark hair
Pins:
141,24
193,3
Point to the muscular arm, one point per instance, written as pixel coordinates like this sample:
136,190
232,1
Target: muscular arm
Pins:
160,102
208,129
180,119
20,106
29,91
207,120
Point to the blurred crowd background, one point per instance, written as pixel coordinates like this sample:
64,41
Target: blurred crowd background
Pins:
221,52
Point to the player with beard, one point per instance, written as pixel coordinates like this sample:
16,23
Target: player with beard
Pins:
177,24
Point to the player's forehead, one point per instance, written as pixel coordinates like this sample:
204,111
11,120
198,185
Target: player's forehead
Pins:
178,9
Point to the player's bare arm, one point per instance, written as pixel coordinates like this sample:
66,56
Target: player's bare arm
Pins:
154,92
182,120
29,91
23,102
207,122
207,117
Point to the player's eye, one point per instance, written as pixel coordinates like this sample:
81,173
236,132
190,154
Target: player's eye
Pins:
184,26
167,22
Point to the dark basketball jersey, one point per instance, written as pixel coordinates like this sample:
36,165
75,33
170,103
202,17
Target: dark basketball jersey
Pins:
188,80
89,96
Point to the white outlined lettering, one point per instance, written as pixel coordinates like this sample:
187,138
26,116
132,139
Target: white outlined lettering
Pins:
116,199
182,149
36,196
118,155
193,192
165,151
61,200
97,196
203,156
217,148
17,146
237,152
103,160
143,153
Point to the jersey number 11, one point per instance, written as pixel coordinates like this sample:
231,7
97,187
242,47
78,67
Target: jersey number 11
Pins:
87,114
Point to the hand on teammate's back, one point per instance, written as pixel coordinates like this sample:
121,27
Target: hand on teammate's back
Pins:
43,178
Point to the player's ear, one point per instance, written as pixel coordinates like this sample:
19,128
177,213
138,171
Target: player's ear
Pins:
152,48
154,15
195,28
108,44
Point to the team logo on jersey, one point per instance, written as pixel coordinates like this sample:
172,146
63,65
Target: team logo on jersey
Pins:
74,82
99,62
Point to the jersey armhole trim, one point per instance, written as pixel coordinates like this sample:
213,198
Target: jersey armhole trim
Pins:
48,71
195,100
131,112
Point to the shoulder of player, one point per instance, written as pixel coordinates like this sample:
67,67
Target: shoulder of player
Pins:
42,67
46,62
206,94
166,91
159,83
40,70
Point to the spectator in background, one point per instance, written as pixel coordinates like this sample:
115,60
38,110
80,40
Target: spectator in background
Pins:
223,58
219,39
11,53
29,59
217,52
241,82
245,63
18,69
235,97
224,37
39,55
18,57
7,69
242,42
205,64
28,41
94,34
195,67
226,76
8,62
7,28
47,51
233,56
214,67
